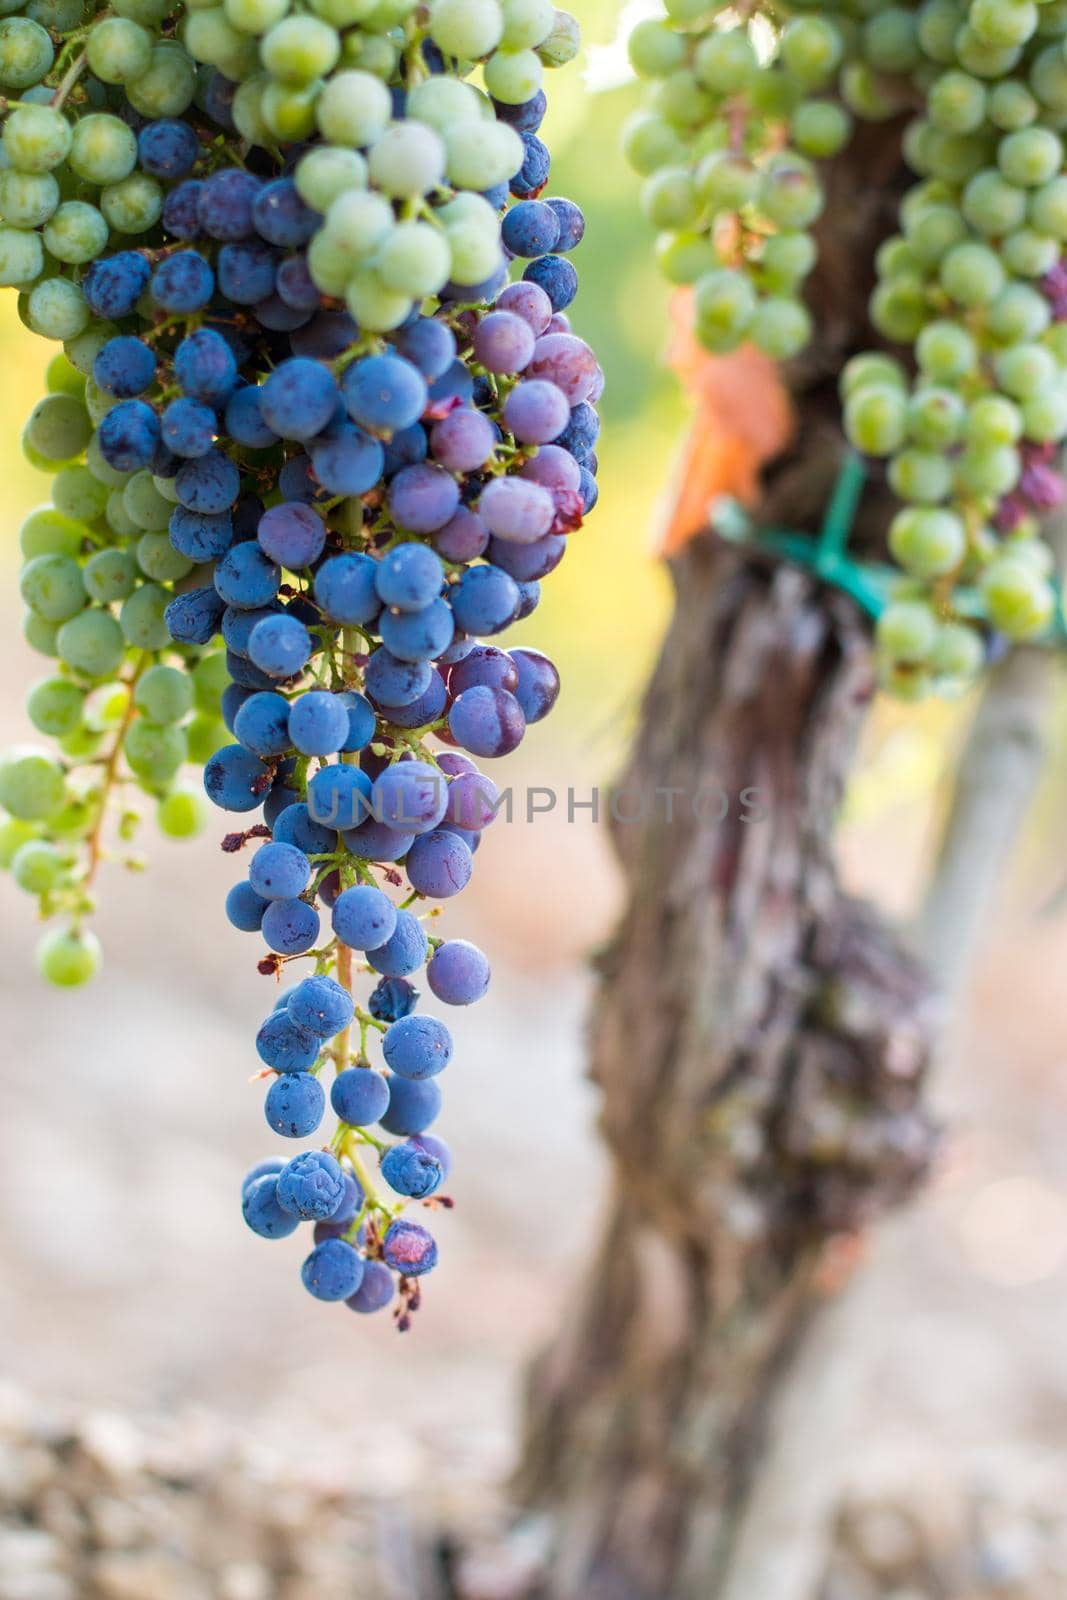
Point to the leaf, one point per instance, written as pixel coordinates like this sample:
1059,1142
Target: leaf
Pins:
744,419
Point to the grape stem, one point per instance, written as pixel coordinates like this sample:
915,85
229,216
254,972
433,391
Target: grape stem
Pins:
110,774
69,79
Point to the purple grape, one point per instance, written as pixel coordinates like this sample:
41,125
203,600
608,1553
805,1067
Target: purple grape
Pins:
504,342
516,510
463,441
528,301
458,973
422,498
484,664
536,411
464,537
292,535
538,687
439,865
526,563
473,801
487,722
567,362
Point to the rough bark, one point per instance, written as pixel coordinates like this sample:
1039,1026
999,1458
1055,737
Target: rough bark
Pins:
760,1041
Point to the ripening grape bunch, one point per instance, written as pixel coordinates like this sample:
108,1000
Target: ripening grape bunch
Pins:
318,428
965,400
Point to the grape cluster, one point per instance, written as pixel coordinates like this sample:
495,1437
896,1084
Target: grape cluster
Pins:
319,430
740,110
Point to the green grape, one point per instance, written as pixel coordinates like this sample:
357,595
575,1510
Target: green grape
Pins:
957,103
46,532
110,575
655,49
685,257
984,60
971,274
812,48
991,472
207,734
107,706
77,495
31,785
669,199
563,41
164,694
13,835
327,172
357,223
168,87
1018,601
1003,22
59,427
103,149
21,257
527,23
875,419
1048,78
820,128
889,40
144,505
724,303
342,14
926,541
787,259
1045,416
154,752
98,402
475,250
100,469
209,677
210,37
773,94
790,194
649,143
415,260
54,706
118,49
354,109
288,110
993,421
37,867
1011,105
1047,208
922,477
481,155
441,102
58,310
77,233
907,631
141,618
869,94
40,635
80,746
27,199
52,586
371,54
937,24
898,308
871,368
467,30
298,50
681,100
954,157
1024,369
934,232
1018,312
61,378
182,814
992,205
1029,254
936,418
781,327
946,352
158,559
134,205
26,52
513,76
149,13
375,307
726,181
1030,157
68,957
895,258
92,643
959,651
255,16
408,160
725,62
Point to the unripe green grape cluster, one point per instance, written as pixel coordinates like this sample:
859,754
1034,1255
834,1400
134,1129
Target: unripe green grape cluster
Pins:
126,707
971,423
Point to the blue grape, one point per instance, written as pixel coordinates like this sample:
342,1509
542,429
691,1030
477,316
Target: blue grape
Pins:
410,1169
345,589
571,224
361,720
284,1046
181,213
438,865
280,646
295,826
392,998
125,367
429,345
183,283
364,918
114,284
418,635
311,1185
533,174
346,460
414,1105
556,276
417,1047
375,1291
281,217
299,398
409,577
485,600
403,953
359,1096
339,796
409,1248
394,683
167,148
321,1006
205,366
524,118
188,429
384,394
279,871
246,578
262,1212
245,421
129,436
374,841
262,725
245,908
292,535
270,1166
425,710
411,795
194,617
294,1105
333,1270
458,973
225,202
530,228
290,927
246,272
319,723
